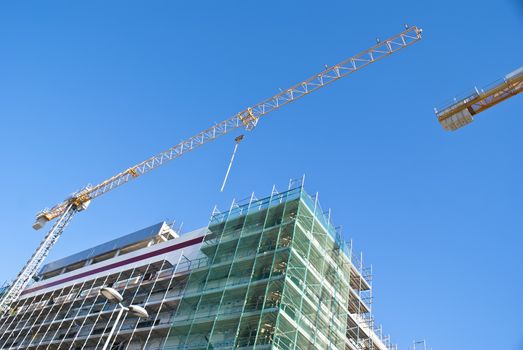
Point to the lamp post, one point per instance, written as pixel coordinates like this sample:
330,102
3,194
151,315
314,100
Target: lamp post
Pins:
113,296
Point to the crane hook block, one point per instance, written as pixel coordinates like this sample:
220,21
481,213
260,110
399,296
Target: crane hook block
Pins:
238,139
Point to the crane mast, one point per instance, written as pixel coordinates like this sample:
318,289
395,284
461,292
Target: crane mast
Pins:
247,119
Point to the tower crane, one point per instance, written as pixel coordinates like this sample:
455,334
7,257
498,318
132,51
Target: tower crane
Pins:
248,119
461,112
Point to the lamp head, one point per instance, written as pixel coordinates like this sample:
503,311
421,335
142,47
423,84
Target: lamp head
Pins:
138,311
111,295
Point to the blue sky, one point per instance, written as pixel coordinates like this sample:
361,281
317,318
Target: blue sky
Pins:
89,88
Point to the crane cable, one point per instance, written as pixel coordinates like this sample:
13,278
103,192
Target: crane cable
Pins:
238,139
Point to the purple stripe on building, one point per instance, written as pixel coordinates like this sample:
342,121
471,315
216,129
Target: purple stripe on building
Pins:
119,264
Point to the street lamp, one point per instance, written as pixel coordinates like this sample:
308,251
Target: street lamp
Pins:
113,296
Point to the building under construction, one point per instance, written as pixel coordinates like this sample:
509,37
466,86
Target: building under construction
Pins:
270,273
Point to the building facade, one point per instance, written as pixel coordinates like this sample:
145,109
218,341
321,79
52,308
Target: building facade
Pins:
270,273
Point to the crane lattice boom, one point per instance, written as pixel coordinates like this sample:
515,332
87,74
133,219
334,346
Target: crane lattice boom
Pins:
247,119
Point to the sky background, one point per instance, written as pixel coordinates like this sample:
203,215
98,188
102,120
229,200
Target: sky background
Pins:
88,88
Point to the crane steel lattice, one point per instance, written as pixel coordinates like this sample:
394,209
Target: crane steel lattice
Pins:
461,111
247,119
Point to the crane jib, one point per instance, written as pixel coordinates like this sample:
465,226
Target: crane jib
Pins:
247,118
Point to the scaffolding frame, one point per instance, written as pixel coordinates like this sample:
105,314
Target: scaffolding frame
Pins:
271,256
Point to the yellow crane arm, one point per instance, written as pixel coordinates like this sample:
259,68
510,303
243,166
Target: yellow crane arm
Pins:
461,112
247,119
